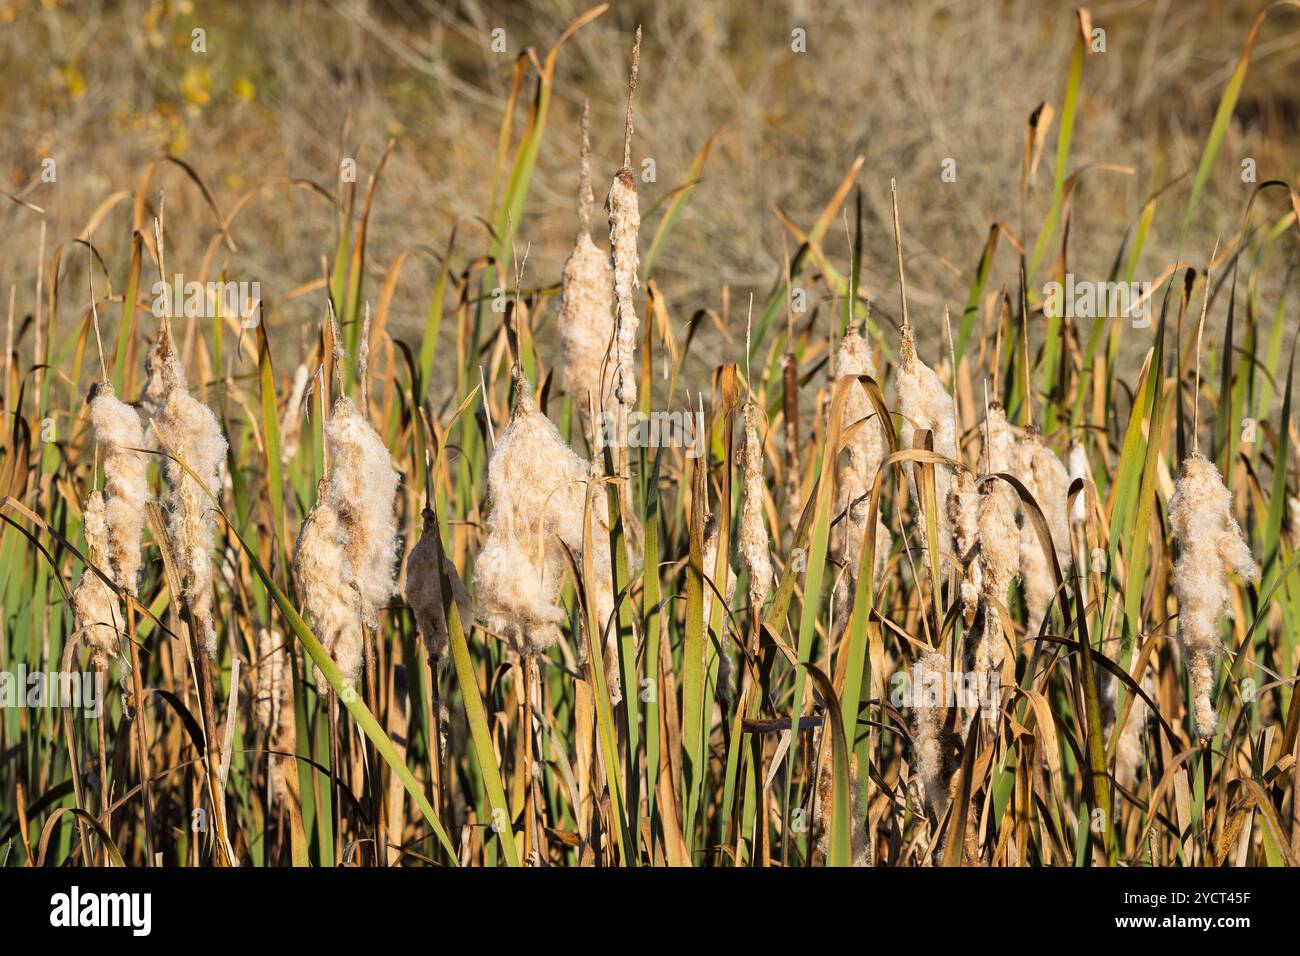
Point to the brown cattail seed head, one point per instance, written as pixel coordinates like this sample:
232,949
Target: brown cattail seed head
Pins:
424,592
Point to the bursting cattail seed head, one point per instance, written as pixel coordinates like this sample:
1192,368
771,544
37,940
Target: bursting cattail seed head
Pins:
930,692
1045,477
586,307
586,325
192,433
926,404
363,493
963,514
538,490
857,467
126,483
331,606
93,601
1211,545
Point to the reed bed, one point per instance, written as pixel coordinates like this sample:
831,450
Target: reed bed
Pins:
923,590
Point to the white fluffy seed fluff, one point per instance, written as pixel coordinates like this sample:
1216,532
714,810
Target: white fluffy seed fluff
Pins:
537,487
193,435
363,492
126,483
1043,475
925,404
755,553
94,603
1210,546
331,606
624,223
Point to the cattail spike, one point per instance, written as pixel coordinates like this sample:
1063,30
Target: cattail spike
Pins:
585,196
1200,329
94,310
898,250
631,93
363,358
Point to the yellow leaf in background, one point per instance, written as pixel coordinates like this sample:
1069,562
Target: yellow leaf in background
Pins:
243,88
75,80
196,85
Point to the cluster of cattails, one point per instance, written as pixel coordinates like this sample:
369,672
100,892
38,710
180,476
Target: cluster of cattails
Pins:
1211,546
540,493
346,553
190,435
857,468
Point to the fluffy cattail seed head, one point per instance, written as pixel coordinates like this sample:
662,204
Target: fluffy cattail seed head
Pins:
191,432
926,404
624,223
963,514
538,490
930,694
331,606
126,483
1211,545
586,326
363,493
1043,475
93,601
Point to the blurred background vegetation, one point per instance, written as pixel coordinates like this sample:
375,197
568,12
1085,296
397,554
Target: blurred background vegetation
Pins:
284,91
